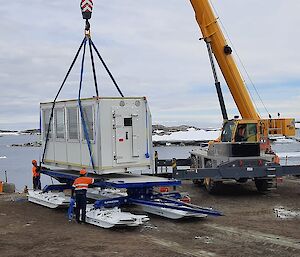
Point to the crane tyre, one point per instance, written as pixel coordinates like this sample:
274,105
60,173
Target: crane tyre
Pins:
198,182
262,185
212,186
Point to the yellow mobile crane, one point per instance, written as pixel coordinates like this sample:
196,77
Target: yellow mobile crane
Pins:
217,45
241,153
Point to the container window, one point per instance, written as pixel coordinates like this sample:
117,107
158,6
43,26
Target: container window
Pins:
60,123
73,123
127,122
46,119
89,121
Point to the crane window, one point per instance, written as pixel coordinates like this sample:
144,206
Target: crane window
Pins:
73,123
246,133
226,135
251,131
60,123
46,119
89,121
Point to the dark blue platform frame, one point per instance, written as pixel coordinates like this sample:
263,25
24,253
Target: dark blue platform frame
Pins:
68,177
140,193
236,172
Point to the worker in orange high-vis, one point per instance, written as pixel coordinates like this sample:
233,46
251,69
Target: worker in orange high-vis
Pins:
36,176
81,185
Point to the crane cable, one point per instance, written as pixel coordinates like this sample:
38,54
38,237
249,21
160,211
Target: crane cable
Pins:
243,66
106,68
55,99
86,16
85,129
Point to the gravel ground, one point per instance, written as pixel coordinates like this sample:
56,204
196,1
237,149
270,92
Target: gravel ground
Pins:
253,225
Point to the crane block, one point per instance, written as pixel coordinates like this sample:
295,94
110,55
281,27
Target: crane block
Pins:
86,9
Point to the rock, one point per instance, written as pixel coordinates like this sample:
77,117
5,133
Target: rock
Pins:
30,144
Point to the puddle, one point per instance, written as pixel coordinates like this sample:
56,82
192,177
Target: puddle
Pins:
285,213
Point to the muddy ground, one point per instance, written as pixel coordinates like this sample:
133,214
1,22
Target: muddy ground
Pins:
249,228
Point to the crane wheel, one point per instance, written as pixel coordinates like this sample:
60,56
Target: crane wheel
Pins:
242,180
198,182
263,185
212,186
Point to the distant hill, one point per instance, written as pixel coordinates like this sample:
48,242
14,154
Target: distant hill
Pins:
31,131
161,129
16,132
8,131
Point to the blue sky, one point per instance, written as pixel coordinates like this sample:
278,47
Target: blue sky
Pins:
152,48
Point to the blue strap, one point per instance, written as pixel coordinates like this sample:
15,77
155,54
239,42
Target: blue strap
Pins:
71,208
41,121
147,155
54,102
86,134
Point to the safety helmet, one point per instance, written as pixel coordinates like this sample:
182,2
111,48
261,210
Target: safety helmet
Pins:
34,162
82,172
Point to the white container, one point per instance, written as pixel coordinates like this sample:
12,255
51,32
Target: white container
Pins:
119,129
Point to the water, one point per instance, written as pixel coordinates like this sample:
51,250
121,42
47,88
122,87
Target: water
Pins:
18,162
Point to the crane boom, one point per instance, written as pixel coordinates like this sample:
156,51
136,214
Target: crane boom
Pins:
244,139
213,34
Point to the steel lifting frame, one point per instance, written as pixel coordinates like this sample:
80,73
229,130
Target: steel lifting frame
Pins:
233,170
148,197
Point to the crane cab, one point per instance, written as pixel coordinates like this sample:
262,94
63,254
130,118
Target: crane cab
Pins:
239,138
240,131
244,130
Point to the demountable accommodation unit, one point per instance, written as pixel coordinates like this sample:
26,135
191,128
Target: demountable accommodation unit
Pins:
114,134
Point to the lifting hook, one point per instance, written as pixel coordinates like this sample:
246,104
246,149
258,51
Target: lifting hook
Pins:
86,10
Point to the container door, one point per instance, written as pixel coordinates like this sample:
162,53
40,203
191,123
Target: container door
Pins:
126,138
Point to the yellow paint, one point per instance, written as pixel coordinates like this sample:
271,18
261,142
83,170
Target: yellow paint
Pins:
212,33
284,126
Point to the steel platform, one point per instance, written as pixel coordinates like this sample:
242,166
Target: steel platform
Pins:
115,180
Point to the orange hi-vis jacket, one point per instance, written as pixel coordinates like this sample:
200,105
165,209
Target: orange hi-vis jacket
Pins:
82,183
35,172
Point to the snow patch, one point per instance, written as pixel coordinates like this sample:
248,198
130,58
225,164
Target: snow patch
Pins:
190,135
3,157
9,133
284,141
283,213
288,154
